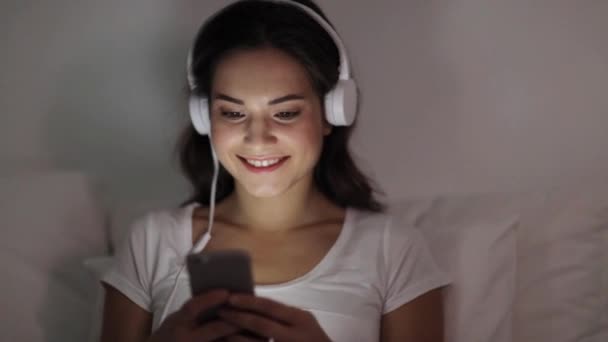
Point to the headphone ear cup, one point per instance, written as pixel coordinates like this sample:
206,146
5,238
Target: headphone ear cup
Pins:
199,114
341,103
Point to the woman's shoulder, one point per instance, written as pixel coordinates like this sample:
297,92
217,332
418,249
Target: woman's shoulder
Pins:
386,224
160,224
369,219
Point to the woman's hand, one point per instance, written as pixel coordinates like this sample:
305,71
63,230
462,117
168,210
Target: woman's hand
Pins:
276,321
182,325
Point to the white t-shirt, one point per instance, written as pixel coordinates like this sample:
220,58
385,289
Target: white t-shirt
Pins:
374,267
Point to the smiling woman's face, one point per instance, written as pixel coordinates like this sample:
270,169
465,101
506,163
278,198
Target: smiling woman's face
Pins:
266,120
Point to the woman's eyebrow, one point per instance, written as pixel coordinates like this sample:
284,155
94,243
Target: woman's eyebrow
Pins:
225,97
281,99
285,98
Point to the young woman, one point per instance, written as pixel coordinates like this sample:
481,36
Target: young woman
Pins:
328,262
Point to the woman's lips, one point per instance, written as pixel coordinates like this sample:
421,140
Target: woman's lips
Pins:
262,169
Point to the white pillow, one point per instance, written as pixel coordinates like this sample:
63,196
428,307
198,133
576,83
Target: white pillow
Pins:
49,222
474,239
562,293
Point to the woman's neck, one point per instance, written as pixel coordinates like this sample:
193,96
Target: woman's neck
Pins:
298,206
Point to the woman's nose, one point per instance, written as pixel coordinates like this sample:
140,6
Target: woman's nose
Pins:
259,131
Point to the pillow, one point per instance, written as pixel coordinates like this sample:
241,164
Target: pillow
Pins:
474,240
562,294
49,221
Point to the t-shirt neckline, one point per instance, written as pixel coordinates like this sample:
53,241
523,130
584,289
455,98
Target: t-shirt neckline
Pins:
325,262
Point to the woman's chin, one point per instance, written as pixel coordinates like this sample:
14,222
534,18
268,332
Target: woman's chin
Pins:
264,192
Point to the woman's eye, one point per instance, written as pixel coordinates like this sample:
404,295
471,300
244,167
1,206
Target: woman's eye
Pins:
232,115
286,115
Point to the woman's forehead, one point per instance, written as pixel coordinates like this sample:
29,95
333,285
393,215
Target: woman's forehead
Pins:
261,69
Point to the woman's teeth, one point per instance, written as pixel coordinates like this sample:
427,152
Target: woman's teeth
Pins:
263,163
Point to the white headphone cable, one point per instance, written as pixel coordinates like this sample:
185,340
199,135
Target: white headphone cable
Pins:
202,242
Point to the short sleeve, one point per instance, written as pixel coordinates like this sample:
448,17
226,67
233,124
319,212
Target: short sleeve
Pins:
411,270
130,273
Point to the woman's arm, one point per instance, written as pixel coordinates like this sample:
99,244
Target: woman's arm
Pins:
123,320
420,320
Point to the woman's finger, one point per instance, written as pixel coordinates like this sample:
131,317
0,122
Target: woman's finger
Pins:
241,338
257,324
195,305
215,330
267,307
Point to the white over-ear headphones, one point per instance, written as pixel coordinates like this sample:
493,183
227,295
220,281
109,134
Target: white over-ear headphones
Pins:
340,102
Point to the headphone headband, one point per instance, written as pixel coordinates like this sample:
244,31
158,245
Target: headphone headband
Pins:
344,61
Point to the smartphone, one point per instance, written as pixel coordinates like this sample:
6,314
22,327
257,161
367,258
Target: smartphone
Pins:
224,269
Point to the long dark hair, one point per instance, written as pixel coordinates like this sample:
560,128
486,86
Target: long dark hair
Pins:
250,24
